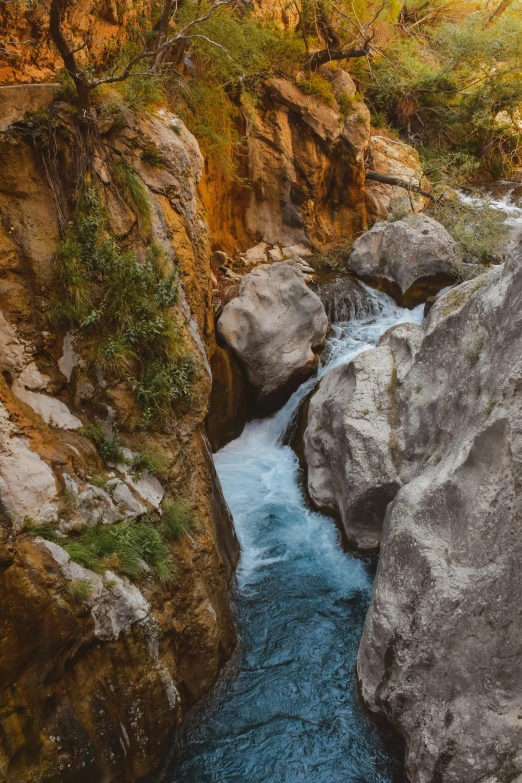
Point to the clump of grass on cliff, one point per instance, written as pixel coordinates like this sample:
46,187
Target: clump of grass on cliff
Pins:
317,85
123,306
176,520
135,549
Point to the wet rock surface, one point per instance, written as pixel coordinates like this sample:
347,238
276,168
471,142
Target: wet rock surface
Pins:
348,445
343,297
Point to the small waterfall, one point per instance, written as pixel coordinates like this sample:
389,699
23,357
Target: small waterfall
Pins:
344,298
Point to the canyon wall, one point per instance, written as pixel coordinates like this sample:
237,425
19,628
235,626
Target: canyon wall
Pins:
94,685
99,666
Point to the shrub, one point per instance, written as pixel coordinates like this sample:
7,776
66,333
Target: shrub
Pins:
144,463
109,447
317,85
152,155
379,120
143,91
162,386
478,228
123,307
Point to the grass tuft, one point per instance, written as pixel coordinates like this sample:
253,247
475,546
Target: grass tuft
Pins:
80,589
177,519
134,192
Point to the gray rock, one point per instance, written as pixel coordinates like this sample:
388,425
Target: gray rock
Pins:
441,655
273,327
115,603
410,259
350,445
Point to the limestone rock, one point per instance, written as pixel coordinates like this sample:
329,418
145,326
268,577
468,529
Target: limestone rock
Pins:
275,254
52,411
69,359
273,326
397,159
256,254
440,654
349,445
294,252
410,258
18,100
27,484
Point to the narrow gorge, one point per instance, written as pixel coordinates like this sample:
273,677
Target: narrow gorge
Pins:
260,340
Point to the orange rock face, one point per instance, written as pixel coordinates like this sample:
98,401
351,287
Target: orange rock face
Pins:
81,700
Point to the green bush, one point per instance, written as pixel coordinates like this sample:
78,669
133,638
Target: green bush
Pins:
379,120
123,306
152,155
479,229
80,589
144,463
317,85
109,447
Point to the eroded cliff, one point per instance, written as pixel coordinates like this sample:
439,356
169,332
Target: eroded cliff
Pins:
98,666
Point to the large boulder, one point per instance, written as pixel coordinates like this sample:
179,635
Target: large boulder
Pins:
348,445
441,655
410,259
274,326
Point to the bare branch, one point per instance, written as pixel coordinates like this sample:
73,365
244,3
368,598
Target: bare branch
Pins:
328,55
84,85
385,179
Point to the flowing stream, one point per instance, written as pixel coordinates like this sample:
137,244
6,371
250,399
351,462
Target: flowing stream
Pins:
505,196
286,708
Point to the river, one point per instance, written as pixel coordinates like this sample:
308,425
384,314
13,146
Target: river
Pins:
286,708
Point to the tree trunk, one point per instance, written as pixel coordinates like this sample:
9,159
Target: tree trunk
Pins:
386,179
79,77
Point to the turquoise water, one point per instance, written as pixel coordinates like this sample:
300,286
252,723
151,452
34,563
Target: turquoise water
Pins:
286,709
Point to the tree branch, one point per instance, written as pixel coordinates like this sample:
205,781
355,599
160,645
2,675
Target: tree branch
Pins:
386,179
329,55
